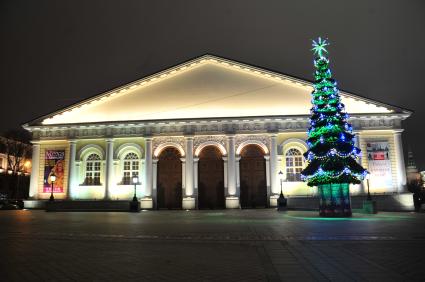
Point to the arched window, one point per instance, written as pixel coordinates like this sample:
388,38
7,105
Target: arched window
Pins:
92,170
294,165
131,168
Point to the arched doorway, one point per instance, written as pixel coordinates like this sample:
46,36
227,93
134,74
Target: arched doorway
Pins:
253,183
169,179
210,179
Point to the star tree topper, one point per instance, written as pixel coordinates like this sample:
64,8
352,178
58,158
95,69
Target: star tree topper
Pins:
319,46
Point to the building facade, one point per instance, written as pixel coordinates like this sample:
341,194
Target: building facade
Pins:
14,157
208,133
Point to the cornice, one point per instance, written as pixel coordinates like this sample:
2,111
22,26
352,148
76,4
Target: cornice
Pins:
205,127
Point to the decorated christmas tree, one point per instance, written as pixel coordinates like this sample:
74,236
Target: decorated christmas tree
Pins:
331,157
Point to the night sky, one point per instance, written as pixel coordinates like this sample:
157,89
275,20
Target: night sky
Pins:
54,53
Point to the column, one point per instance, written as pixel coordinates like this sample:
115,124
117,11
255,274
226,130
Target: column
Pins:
267,158
149,191
273,165
359,161
71,169
109,175
189,166
273,173
183,160
117,179
35,170
195,179
238,176
401,169
189,199
232,200
154,175
272,198
225,175
149,202
195,173
148,168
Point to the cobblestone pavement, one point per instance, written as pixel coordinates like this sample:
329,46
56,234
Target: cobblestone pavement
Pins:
231,245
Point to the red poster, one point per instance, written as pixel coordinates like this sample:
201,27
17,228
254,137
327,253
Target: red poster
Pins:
378,155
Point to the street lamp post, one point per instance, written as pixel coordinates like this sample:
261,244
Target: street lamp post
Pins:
281,201
134,204
369,198
135,181
369,206
52,180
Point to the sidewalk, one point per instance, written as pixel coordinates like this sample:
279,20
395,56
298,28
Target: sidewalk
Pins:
239,245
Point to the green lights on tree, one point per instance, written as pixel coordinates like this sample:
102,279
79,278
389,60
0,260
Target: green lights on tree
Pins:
332,155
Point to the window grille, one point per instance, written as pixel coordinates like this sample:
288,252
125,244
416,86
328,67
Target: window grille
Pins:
92,170
130,168
294,165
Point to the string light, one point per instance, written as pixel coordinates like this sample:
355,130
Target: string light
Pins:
329,138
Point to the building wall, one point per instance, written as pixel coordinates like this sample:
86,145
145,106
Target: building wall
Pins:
284,141
58,145
117,191
386,136
3,161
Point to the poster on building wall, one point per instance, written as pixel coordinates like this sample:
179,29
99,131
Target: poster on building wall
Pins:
378,156
54,163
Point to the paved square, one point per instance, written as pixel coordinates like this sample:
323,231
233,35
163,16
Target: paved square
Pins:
228,245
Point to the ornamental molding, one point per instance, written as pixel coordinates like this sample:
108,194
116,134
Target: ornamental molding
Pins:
89,149
125,148
375,123
178,142
199,140
255,139
202,128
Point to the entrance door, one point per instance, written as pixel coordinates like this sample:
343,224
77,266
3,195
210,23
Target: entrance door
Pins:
169,181
253,177
211,179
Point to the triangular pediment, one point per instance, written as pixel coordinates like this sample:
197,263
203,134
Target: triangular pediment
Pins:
206,87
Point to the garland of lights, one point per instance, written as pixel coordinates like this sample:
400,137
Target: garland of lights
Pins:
332,154
330,175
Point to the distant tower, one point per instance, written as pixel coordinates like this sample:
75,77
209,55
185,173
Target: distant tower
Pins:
411,170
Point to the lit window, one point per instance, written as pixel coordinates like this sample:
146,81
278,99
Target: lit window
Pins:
92,170
131,168
294,165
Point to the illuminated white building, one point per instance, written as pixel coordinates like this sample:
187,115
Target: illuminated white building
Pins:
209,132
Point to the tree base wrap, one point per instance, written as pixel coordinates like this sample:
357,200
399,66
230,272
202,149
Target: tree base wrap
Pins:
335,200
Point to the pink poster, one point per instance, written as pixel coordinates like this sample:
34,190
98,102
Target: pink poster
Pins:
54,164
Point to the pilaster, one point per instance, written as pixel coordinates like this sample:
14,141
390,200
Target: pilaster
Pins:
273,165
267,158
238,176
362,185
401,169
109,174
232,199
72,176
187,181
196,180
149,175
154,179
35,170
189,166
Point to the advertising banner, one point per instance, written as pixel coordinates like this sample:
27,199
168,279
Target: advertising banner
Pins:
54,163
378,155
